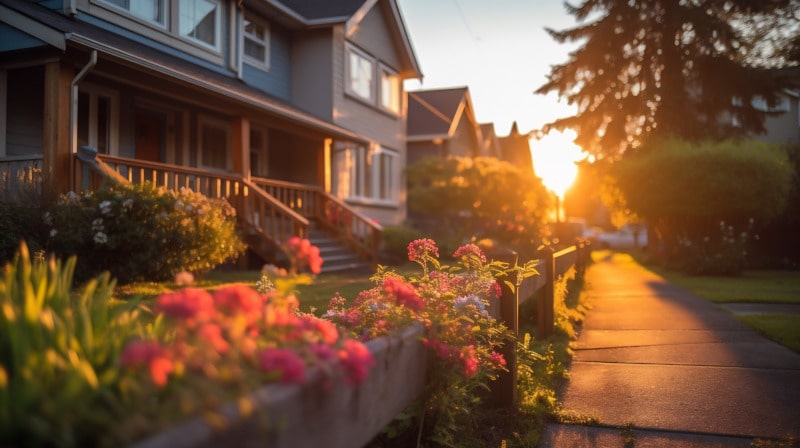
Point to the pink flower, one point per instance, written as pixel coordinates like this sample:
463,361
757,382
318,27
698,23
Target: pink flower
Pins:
148,354
314,260
193,304
468,250
418,249
285,362
469,360
403,293
356,359
323,352
325,329
498,359
212,333
239,299
494,290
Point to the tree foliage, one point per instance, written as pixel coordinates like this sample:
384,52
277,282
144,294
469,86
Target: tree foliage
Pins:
491,197
686,188
664,68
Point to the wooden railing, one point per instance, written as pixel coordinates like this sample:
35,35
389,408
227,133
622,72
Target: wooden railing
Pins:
254,206
361,233
20,178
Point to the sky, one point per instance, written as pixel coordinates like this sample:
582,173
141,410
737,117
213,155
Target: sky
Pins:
501,51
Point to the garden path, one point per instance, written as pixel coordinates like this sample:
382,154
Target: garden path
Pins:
657,366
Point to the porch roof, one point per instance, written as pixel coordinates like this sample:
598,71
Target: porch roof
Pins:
134,54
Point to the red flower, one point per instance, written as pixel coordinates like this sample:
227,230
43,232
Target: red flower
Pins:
325,329
212,333
469,360
193,304
403,293
470,250
417,249
356,360
241,300
148,354
287,363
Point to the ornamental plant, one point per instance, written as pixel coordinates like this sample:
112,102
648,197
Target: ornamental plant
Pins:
452,304
140,232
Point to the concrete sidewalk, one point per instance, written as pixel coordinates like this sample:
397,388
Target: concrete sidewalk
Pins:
660,367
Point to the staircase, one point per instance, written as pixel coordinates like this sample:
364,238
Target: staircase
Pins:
336,256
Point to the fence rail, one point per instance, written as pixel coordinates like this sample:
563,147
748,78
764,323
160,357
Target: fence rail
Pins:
20,177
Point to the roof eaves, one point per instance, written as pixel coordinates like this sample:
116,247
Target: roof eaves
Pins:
46,34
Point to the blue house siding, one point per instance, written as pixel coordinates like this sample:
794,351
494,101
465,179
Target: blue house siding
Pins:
13,39
277,80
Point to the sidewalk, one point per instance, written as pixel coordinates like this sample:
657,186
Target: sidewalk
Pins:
659,367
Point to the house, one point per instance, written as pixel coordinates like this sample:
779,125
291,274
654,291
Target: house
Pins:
783,127
442,123
292,109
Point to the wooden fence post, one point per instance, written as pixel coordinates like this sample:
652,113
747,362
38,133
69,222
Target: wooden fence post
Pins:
545,312
504,388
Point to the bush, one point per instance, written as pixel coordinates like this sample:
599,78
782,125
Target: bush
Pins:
397,238
720,253
141,232
19,223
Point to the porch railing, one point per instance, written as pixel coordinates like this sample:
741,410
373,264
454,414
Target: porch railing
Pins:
20,177
254,206
361,233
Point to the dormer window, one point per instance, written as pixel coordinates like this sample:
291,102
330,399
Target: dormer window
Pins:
390,90
148,10
199,20
256,42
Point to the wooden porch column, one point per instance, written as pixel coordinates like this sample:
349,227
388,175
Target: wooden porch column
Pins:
57,151
241,146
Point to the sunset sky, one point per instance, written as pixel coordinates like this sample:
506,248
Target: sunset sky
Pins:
500,50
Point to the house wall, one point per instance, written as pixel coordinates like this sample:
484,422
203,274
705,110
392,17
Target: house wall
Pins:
419,150
371,35
13,39
784,128
312,75
277,80
463,143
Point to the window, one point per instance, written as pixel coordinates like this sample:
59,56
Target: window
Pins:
98,111
149,10
214,142
390,91
195,20
256,42
199,20
360,70
364,175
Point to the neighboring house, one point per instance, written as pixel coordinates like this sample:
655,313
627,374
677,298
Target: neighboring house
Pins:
783,128
516,149
442,123
296,105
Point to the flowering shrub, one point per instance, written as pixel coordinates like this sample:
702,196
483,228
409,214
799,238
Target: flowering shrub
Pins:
303,254
451,302
723,253
141,232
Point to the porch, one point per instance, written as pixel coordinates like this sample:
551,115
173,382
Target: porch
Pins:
269,211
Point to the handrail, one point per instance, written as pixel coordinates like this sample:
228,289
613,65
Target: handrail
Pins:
254,206
360,232
21,177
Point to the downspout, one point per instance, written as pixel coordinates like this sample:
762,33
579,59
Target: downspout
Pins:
73,113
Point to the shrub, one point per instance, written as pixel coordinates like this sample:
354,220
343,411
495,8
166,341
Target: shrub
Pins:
19,223
720,253
452,303
141,232
397,238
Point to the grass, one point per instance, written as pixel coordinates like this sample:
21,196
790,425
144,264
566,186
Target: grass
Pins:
751,287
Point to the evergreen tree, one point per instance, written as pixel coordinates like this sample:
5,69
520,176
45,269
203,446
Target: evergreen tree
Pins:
651,68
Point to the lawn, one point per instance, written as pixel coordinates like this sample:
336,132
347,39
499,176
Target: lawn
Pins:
751,287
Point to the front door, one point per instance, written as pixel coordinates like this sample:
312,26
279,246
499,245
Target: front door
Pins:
149,136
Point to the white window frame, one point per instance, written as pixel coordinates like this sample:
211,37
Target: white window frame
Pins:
95,92
366,175
127,11
393,105
349,79
205,120
262,64
169,31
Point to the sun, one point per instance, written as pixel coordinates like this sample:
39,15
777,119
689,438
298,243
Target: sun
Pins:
554,157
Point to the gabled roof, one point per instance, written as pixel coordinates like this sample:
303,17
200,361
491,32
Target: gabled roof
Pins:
322,13
435,113
516,148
